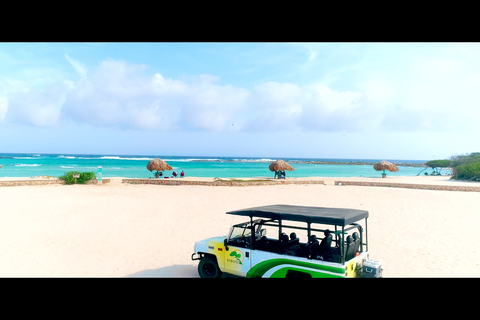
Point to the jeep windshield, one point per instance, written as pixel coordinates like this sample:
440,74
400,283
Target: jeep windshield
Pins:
240,234
240,231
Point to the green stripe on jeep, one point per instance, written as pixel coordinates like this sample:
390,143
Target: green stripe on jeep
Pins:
259,269
282,273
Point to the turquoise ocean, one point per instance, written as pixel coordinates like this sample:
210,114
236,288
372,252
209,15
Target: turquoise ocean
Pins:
135,166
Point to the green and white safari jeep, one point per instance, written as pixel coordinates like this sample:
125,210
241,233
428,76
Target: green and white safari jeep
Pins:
322,242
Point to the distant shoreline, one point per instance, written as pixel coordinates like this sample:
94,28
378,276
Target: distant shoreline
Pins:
360,163
403,164
213,158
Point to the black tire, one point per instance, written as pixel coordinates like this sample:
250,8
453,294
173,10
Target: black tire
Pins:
208,268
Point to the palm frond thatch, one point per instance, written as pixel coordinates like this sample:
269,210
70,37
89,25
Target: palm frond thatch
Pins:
385,165
158,165
280,165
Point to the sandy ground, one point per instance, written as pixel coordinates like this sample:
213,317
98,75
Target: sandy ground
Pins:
124,230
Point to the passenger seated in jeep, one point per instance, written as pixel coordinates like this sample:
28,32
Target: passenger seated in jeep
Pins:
266,244
315,249
293,248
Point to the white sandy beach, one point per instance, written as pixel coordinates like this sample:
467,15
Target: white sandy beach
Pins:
126,230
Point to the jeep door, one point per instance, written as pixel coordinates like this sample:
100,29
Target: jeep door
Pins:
237,261
237,252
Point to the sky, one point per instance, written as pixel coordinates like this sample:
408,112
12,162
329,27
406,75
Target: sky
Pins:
348,100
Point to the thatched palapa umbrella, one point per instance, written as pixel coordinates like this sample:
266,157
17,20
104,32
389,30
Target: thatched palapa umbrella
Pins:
158,165
385,165
280,165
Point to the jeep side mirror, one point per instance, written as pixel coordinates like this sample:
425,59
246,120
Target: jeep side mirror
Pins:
225,244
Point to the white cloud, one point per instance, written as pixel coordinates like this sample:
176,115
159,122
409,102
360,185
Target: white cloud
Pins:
433,94
332,101
213,107
286,106
437,95
273,106
81,70
118,94
36,107
168,86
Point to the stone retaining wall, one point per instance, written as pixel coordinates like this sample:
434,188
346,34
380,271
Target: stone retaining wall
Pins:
243,183
95,181
408,185
17,183
172,182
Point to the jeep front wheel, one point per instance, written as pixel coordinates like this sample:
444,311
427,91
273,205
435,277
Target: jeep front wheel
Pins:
208,268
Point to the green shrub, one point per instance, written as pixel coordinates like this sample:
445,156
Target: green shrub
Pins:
438,163
84,177
469,171
465,159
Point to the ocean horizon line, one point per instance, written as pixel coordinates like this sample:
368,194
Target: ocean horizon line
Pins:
142,157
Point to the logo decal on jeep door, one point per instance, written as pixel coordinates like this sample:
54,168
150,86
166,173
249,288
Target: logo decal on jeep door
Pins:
238,255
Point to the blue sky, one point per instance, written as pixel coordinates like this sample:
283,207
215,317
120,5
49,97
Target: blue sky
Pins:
316,100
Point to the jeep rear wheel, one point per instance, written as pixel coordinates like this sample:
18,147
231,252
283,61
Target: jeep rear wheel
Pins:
208,268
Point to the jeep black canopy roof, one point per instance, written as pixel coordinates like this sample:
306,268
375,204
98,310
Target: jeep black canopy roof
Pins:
330,216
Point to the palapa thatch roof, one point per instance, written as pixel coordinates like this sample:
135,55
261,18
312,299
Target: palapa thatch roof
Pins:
280,165
159,165
385,165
